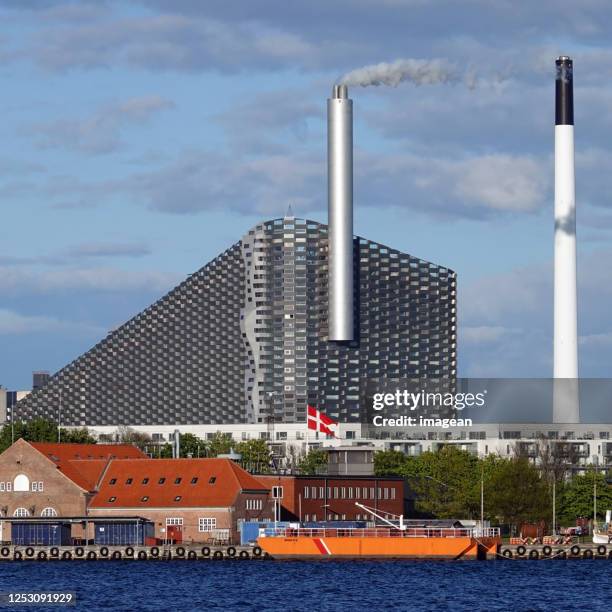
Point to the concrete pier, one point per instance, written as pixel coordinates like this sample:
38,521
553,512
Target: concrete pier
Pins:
130,553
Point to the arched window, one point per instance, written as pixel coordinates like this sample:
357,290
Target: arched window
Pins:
21,512
49,512
21,483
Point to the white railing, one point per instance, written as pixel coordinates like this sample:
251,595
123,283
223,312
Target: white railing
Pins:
382,532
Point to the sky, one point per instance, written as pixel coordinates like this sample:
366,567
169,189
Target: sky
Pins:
142,138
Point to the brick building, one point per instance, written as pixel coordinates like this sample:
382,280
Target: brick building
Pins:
320,498
40,479
189,500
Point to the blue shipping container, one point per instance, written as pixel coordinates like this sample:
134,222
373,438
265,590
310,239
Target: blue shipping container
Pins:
123,533
41,534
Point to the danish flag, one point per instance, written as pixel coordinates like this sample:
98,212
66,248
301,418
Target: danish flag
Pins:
319,421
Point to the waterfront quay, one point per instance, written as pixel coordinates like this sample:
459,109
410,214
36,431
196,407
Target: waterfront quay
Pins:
130,553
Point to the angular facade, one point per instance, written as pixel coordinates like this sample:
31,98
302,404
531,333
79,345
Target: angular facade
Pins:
246,336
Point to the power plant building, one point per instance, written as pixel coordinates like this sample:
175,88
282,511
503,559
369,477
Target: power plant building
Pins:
246,338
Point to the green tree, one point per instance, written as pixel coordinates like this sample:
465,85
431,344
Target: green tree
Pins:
190,444
220,444
576,497
390,462
256,455
445,482
77,436
517,493
312,463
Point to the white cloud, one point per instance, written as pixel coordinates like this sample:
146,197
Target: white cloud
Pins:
13,323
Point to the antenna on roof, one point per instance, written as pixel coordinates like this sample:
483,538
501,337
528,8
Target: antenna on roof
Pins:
289,213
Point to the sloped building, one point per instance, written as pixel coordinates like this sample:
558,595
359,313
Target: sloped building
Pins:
246,336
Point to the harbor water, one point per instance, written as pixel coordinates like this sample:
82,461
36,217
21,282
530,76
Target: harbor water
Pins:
319,586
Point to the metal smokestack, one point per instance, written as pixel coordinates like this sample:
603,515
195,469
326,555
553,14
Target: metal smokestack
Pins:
340,211
566,403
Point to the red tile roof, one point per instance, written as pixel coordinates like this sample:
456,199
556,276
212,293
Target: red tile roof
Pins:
84,463
217,483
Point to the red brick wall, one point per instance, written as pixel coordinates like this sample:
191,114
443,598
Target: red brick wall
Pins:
58,491
345,508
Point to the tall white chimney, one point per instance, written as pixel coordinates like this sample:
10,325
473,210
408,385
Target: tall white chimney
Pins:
566,408
340,212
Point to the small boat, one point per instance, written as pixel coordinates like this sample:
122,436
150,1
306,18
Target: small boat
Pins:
603,535
388,541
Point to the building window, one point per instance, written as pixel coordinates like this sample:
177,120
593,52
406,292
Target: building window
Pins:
129,481
321,493
21,483
212,480
34,486
350,492
112,481
49,512
173,521
161,480
306,492
207,524
313,492
112,499
9,486
393,493
343,492
386,492
277,492
314,518
40,486
21,512
194,480
336,492
177,480
307,518
365,493
145,481
2,486
254,504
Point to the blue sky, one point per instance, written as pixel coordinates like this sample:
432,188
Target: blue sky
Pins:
140,139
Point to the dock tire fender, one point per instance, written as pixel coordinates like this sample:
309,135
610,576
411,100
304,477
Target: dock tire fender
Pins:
534,554
42,555
129,551
218,554
155,551
54,551
79,551
116,555
561,554
142,555
205,551
231,551
192,554
180,551
521,550
17,555
257,551
575,550
66,555
104,551
244,554
587,554
5,551
267,556
547,551
92,555
610,555
29,551
601,550
507,553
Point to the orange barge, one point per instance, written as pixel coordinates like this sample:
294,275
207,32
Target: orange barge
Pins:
387,542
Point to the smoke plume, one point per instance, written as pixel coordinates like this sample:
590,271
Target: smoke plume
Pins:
417,71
